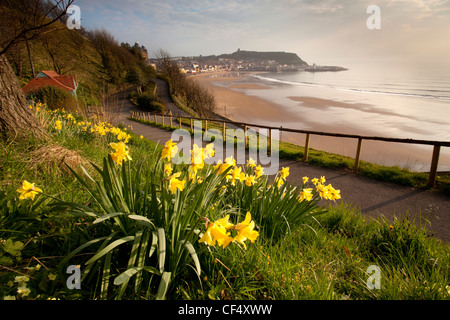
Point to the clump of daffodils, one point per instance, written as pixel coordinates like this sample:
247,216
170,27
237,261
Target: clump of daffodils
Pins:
220,232
327,192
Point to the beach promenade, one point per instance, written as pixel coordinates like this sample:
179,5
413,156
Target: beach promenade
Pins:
374,198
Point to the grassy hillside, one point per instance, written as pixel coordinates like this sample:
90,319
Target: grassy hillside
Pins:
139,229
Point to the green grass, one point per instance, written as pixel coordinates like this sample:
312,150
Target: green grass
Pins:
324,258
330,260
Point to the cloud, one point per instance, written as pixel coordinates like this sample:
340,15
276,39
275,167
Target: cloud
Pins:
317,29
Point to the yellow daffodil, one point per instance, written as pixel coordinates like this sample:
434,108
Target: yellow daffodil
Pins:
28,190
332,193
58,125
121,153
259,171
280,182
197,156
322,179
168,169
224,222
305,180
246,230
323,191
216,233
251,163
222,167
306,194
237,175
209,151
249,180
315,181
284,173
170,150
175,184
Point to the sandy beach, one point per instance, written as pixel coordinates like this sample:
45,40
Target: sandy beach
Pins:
235,104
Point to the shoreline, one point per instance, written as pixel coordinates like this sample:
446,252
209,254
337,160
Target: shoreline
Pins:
233,102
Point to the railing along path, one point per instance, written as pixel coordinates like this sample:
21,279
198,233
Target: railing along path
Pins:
147,116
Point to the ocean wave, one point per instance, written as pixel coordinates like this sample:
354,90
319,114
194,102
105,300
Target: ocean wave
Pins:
427,93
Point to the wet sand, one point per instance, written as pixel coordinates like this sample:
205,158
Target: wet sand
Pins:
234,104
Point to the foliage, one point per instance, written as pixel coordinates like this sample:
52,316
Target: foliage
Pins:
54,97
134,221
148,101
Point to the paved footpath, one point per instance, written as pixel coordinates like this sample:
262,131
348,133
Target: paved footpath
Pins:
372,197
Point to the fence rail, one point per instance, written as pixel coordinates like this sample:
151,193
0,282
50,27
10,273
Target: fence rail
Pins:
434,159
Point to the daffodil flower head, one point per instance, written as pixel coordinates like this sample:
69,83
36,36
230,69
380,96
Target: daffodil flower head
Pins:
121,153
259,171
306,194
246,230
209,151
176,184
169,151
249,180
251,163
284,173
28,190
168,169
216,233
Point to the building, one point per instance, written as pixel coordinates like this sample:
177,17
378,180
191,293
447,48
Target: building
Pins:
51,78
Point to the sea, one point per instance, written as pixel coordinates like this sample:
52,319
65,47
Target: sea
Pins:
396,101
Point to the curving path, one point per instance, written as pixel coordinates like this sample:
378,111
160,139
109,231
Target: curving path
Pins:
372,197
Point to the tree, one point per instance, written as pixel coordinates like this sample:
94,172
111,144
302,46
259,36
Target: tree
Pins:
16,119
137,77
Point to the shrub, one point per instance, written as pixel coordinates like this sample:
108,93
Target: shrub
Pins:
148,101
56,98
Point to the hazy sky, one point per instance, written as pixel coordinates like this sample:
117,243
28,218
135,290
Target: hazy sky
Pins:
319,31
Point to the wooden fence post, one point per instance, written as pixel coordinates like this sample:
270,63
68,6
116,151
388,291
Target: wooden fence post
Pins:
306,155
154,116
170,118
224,134
245,136
192,126
206,125
434,166
358,155
179,122
163,120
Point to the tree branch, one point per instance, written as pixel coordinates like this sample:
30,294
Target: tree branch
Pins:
25,31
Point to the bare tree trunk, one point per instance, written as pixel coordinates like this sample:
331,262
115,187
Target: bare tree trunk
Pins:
30,58
16,119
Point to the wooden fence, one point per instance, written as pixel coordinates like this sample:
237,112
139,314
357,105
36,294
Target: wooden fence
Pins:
147,116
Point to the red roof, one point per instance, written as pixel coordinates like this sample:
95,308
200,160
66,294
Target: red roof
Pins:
51,78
